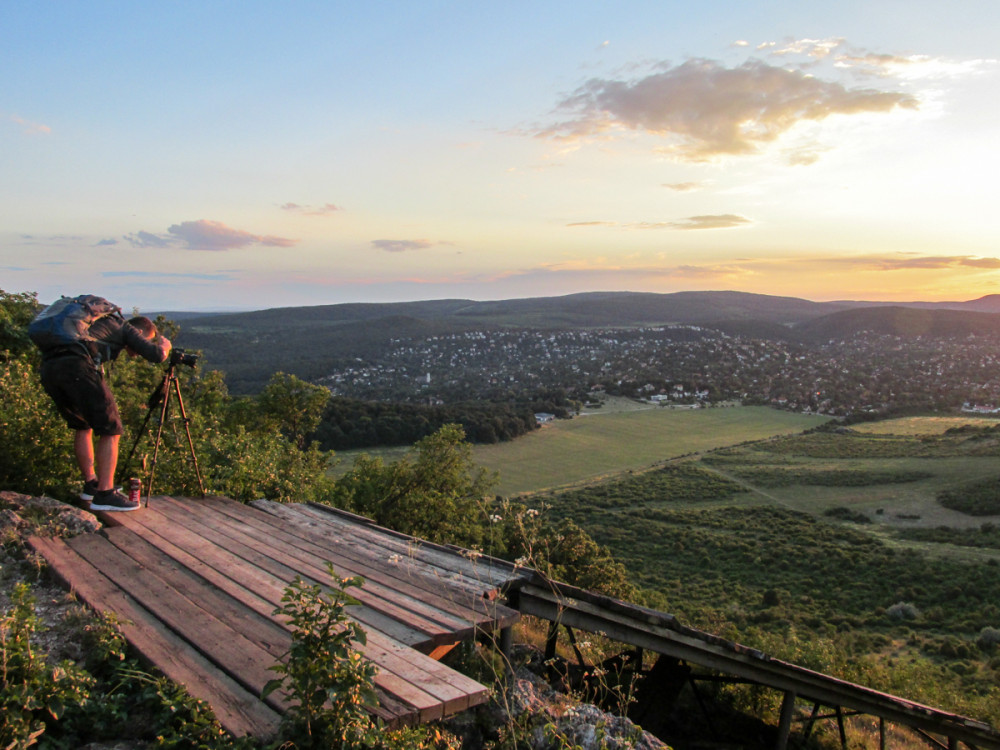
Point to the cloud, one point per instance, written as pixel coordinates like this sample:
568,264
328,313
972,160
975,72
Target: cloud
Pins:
712,221
402,246
219,276
814,48
148,239
106,242
214,235
718,221
706,110
684,187
30,128
929,262
205,235
324,210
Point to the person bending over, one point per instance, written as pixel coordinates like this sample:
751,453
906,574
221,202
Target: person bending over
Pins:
74,378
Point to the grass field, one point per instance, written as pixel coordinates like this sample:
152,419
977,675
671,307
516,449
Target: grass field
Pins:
904,504
610,442
622,436
922,425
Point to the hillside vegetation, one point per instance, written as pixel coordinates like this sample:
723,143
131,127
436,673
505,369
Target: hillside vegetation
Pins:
833,549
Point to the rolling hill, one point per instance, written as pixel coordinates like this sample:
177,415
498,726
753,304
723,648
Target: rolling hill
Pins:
309,341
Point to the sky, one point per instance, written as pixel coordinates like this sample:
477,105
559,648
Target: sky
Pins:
249,155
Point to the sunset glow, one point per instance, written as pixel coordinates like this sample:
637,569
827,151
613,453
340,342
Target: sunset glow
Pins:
183,157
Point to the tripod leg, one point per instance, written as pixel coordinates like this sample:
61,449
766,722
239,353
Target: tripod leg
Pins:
159,429
187,429
135,443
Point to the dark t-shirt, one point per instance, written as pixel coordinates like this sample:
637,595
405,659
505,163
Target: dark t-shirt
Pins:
75,380
113,335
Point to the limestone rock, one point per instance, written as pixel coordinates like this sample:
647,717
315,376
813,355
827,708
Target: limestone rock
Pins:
18,511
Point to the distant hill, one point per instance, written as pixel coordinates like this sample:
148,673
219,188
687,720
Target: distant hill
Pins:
310,341
988,304
898,321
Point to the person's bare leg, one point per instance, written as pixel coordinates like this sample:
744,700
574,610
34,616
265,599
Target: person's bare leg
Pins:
83,447
107,461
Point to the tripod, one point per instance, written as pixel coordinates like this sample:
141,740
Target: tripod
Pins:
161,397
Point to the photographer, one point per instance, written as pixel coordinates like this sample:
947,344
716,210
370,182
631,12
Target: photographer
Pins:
74,377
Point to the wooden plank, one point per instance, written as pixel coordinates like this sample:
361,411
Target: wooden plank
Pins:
364,544
450,567
239,711
217,641
259,628
397,601
266,560
231,651
422,595
428,587
399,666
249,585
494,572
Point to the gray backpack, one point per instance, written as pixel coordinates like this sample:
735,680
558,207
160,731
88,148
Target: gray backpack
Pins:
66,322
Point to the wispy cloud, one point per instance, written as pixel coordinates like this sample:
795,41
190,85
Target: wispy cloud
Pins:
705,110
925,262
205,235
711,221
28,127
708,221
684,187
306,210
219,276
148,239
402,246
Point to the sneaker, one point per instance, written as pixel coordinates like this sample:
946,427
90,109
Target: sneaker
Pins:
112,500
89,489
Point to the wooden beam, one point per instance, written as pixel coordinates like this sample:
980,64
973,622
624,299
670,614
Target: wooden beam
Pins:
785,720
654,631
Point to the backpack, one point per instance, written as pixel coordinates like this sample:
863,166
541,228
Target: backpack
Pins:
66,322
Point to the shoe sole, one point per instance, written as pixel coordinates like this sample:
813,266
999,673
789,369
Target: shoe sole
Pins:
114,507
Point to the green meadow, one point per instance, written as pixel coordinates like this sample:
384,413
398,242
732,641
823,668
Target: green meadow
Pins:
621,437
603,444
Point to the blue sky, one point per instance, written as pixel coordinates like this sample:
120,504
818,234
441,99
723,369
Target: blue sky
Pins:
245,154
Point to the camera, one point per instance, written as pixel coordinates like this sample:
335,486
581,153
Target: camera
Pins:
182,357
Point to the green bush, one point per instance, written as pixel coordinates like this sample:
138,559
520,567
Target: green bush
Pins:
331,685
980,498
35,446
33,693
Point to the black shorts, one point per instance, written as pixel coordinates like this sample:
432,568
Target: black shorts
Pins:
81,395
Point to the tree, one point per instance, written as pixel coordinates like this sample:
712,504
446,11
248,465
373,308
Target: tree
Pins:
16,312
435,492
295,406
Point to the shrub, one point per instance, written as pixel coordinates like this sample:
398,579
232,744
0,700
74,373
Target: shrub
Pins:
329,682
903,611
32,692
988,639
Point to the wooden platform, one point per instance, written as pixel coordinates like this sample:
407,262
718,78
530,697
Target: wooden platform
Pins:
196,583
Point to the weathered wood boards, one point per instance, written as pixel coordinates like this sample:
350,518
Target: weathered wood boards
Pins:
198,581
661,633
